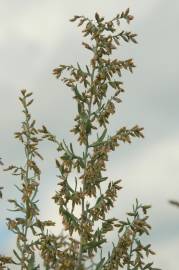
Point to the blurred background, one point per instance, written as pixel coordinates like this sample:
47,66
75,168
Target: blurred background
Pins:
35,37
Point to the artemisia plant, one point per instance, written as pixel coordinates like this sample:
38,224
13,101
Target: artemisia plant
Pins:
97,89
85,194
27,227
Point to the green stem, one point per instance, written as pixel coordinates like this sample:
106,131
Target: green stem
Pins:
85,161
131,251
28,158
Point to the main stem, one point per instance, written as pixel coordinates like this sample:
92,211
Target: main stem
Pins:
85,161
28,157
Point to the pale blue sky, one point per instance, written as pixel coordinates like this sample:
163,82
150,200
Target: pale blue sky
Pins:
35,37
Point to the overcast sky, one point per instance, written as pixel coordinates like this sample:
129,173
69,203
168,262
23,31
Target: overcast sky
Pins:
35,37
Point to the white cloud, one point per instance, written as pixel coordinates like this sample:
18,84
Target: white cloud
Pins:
39,21
154,170
140,8
36,22
167,254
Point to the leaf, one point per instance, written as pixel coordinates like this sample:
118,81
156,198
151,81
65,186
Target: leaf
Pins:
74,18
116,41
19,207
112,84
93,244
31,264
87,68
81,162
126,12
77,93
176,203
71,148
23,92
81,22
67,150
39,155
100,264
100,139
1,192
34,194
148,266
134,40
30,102
29,94
97,17
102,136
17,255
79,107
125,38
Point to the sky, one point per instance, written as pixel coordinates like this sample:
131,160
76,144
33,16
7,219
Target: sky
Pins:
35,37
